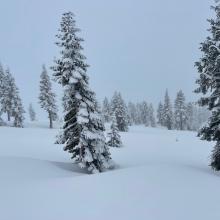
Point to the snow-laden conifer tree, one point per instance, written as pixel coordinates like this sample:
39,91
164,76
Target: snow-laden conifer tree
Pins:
32,113
2,90
83,126
9,94
145,114
151,116
209,85
106,110
190,116
160,114
47,97
2,81
10,101
180,114
114,136
18,110
138,114
119,108
167,112
91,151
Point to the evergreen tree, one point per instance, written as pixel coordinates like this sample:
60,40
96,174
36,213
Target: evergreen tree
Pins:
209,85
47,97
180,114
160,114
190,117
10,101
2,90
32,113
151,116
120,110
83,127
106,110
9,94
18,110
2,81
138,117
114,136
145,114
167,112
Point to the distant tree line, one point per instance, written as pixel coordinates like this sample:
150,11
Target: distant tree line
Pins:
180,115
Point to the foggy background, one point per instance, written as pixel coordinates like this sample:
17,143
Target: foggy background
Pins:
138,47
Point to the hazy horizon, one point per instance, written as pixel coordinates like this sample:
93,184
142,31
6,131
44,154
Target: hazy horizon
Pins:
139,48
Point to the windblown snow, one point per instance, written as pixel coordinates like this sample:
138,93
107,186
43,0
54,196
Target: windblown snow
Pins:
161,175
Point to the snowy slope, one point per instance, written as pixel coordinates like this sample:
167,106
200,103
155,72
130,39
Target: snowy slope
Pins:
162,175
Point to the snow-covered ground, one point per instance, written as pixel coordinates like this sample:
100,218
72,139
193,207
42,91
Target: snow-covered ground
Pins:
161,175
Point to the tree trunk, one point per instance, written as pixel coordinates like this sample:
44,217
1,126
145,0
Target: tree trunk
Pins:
51,120
9,117
181,122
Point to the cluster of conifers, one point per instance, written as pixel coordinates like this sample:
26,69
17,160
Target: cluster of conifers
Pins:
10,101
181,115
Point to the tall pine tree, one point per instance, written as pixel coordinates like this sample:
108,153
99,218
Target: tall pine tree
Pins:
119,108
32,113
2,92
138,114
151,116
47,97
180,114
2,87
209,85
106,110
145,114
9,94
167,112
10,101
190,116
160,114
83,127
18,110
113,135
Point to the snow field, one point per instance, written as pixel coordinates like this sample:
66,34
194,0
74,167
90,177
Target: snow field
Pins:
160,175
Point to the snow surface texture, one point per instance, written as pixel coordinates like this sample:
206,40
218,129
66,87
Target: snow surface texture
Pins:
162,175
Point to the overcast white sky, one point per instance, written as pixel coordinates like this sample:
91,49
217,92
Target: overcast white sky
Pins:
138,47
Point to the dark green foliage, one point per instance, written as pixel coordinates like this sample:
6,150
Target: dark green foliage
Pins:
47,97
209,85
83,130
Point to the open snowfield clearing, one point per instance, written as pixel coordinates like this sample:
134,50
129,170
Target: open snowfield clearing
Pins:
161,175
